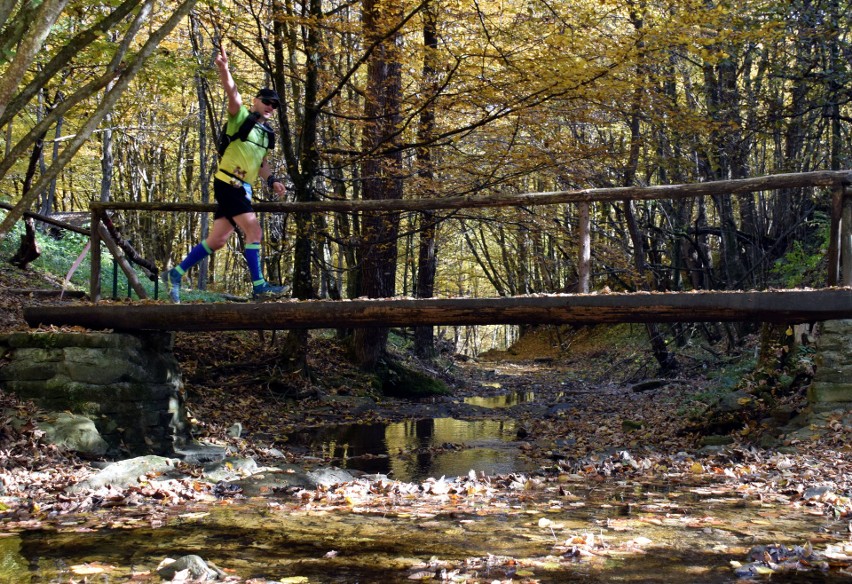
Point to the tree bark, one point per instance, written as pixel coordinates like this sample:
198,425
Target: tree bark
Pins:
427,263
28,250
301,156
823,178
648,279
60,61
584,254
203,173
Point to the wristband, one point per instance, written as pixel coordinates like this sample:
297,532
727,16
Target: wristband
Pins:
272,179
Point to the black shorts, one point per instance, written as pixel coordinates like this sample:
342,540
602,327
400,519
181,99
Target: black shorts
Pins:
230,200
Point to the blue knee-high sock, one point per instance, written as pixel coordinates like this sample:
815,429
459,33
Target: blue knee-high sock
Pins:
195,255
252,255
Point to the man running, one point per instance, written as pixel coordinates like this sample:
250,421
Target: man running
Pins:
240,164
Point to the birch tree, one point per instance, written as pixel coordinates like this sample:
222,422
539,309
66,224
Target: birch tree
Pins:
117,70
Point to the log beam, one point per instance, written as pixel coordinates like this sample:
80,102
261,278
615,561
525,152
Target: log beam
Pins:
788,307
823,178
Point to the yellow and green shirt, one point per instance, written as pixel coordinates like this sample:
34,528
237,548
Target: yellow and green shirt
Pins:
243,158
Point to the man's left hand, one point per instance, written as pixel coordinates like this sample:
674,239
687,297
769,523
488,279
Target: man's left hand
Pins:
278,189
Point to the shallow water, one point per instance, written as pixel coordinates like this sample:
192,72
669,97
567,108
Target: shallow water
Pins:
677,537
414,450
505,400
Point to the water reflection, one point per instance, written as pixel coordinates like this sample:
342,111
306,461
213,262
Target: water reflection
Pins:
501,401
413,450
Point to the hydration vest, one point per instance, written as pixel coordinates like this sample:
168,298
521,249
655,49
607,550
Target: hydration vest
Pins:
243,132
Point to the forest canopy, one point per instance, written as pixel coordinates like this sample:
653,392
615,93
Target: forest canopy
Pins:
397,99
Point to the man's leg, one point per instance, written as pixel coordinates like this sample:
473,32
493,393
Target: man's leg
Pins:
222,229
251,227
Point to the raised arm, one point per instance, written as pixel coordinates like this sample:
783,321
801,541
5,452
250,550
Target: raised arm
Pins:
235,101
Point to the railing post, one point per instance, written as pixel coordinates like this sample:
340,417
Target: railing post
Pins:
834,236
846,239
584,267
121,261
95,239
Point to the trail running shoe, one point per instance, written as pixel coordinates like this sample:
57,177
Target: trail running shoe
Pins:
267,290
171,279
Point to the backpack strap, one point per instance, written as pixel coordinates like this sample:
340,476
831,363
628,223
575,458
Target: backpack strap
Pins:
247,126
269,136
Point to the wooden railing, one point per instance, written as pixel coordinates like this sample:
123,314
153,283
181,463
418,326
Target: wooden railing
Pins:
840,243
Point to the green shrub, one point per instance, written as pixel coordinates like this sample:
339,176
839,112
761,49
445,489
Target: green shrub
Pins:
802,265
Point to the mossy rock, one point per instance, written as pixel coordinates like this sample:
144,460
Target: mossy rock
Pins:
396,380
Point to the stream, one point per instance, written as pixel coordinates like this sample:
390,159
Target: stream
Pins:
639,535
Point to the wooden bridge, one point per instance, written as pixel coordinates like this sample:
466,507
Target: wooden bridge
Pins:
792,306
789,307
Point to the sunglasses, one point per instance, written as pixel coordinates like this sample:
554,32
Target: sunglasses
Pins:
269,102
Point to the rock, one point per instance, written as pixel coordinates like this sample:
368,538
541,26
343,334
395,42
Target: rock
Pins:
566,442
783,414
630,425
125,473
557,410
271,482
128,384
734,401
75,433
235,431
231,468
197,453
195,568
816,492
716,440
330,476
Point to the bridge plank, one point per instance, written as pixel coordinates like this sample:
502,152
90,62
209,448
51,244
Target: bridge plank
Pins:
788,306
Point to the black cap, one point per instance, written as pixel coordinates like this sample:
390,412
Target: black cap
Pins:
268,94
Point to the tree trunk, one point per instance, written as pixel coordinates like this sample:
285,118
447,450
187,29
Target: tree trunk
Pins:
203,172
664,358
48,199
34,35
107,160
427,263
584,255
427,258
381,171
301,156
29,250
